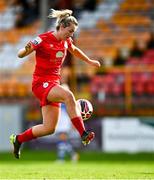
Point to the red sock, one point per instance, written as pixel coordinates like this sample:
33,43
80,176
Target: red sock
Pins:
26,136
78,124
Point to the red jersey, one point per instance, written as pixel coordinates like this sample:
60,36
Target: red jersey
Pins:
50,54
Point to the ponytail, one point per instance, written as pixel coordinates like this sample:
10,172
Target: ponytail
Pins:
64,17
60,14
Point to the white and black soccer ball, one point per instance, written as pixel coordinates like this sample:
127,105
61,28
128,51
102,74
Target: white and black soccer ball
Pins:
86,108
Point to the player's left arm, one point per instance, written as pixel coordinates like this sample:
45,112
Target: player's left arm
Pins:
81,55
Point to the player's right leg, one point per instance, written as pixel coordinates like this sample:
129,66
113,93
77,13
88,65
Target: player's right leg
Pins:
16,145
50,118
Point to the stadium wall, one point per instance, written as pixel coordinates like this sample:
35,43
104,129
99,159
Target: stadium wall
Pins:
128,134
10,122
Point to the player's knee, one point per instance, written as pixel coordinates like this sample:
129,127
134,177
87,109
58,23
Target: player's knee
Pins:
70,97
52,131
49,131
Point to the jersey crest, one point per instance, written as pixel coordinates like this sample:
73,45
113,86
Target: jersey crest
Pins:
59,54
45,84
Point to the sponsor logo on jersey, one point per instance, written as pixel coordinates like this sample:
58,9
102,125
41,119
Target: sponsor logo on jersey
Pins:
59,54
45,84
37,41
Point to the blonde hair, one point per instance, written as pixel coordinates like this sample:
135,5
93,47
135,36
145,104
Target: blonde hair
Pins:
64,17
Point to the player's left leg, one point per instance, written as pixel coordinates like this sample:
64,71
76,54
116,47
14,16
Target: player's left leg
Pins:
60,94
87,137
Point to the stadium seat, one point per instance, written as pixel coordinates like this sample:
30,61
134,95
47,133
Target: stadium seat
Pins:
139,89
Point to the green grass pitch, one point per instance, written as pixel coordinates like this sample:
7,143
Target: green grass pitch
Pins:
106,167
82,170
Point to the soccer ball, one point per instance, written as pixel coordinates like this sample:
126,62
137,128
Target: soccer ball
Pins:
86,108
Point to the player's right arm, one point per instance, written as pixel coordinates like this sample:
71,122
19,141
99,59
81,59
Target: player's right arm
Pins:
26,50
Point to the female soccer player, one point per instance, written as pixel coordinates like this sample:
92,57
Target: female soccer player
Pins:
51,48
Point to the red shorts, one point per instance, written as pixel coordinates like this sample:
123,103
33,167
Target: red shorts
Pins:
41,88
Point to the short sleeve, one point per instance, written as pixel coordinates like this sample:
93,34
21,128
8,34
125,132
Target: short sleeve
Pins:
36,42
69,42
